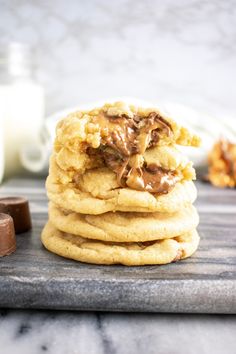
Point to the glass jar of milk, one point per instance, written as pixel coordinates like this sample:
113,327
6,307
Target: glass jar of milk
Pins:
21,106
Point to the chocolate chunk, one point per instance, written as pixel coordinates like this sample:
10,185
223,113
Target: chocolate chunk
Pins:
7,235
18,208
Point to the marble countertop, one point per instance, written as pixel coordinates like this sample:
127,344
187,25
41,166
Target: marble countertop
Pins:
33,332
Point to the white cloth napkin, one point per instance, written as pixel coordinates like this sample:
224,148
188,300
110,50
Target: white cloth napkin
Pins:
36,158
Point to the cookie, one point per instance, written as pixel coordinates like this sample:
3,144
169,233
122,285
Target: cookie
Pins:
125,227
69,197
131,254
108,186
66,165
85,186
87,126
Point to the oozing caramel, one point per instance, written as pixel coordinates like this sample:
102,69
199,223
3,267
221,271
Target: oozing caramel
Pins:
125,140
129,136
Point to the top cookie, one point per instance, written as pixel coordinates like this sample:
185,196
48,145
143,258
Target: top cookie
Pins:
117,136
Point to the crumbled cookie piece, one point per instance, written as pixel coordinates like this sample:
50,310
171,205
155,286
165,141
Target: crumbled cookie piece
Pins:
222,164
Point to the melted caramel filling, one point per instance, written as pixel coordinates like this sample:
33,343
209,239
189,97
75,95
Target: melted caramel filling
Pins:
124,141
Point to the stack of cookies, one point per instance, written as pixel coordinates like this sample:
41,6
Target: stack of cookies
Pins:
120,191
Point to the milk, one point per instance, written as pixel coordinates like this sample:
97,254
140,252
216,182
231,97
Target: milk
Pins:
21,105
22,110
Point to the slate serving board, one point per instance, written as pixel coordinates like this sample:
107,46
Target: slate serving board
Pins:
205,283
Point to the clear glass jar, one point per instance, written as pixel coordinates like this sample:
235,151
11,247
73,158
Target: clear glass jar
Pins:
21,106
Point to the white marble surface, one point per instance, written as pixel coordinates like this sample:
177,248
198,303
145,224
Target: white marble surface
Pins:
183,51
31,332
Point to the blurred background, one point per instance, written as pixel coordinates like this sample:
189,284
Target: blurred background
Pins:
75,52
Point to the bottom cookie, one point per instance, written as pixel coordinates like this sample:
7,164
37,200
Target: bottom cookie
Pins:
130,253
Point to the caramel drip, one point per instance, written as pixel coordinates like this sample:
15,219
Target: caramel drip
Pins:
152,178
